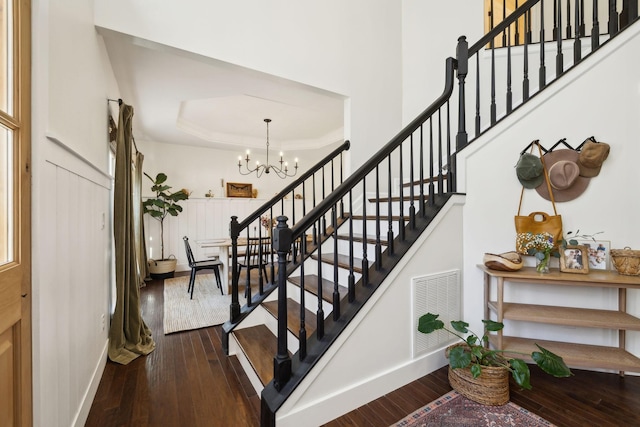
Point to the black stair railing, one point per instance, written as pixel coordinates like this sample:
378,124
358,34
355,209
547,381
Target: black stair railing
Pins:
294,201
394,195
509,65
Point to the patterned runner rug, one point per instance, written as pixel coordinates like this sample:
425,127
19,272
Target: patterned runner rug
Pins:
453,409
207,308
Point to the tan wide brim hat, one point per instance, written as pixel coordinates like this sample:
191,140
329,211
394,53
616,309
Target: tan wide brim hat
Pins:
564,176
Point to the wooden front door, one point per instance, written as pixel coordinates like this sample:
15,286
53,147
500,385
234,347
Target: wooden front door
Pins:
15,214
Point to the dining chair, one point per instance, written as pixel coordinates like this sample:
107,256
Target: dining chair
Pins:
256,256
212,264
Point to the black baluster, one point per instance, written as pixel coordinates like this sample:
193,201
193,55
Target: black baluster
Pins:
492,115
525,65
421,200
577,44
234,232
336,284
543,71
509,93
365,260
377,220
320,310
401,173
341,181
582,26
389,210
440,189
351,284
595,27
432,189
315,231
412,208
559,54
477,94
517,32
556,23
613,18
569,32
302,338
450,187
504,16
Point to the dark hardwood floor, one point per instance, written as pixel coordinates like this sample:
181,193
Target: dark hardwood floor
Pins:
188,381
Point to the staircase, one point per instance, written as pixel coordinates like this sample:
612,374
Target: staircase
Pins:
328,261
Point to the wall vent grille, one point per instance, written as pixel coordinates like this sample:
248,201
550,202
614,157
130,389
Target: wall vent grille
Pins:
439,294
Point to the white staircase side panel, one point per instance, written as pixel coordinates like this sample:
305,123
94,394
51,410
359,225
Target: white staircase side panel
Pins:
347,376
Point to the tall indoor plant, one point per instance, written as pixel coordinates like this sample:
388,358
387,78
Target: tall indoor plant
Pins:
164,203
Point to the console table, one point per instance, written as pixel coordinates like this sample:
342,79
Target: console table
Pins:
574,355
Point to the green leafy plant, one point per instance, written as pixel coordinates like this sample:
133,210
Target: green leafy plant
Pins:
164,203
571,237
474,352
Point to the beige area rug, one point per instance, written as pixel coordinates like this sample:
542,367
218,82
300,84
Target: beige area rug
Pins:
207,308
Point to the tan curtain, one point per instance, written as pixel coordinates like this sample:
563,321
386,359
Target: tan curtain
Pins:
141,247
129,336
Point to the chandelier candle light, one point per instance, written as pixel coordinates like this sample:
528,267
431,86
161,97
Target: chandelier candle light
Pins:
282,171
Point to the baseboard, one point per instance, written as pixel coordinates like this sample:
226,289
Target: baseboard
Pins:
87,400
330,407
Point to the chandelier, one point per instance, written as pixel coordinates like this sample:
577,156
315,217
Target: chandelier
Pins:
282,171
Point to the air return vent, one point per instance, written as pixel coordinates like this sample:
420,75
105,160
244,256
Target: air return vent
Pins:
438,294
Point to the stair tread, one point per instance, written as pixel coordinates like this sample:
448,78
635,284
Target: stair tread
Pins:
343,261
357,237
293,316
260,346
311,285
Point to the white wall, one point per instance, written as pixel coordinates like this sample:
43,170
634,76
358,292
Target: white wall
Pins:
71,214
576,107
350,48
429,36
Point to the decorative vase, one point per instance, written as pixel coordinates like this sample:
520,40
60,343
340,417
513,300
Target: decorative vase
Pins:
542,265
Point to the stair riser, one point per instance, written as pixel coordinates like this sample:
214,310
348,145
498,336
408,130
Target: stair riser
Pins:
344,247
395,207
371,226
310,299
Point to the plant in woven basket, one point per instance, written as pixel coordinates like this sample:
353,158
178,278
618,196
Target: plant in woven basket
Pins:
475,353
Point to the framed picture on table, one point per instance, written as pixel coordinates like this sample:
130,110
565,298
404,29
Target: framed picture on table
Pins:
574,259
238,189
598,252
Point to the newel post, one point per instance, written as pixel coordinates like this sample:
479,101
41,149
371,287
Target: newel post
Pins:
282,239
462,58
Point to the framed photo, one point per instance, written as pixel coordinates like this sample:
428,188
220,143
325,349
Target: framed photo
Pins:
237,189
598,253
574,259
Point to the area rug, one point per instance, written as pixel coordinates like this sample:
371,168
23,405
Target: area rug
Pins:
207,308
453,409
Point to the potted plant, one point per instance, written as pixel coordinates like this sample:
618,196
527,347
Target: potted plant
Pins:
472,360
164,203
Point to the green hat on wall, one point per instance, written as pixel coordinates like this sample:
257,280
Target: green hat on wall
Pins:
529,170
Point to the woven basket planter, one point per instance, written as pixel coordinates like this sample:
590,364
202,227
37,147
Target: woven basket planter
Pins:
490,388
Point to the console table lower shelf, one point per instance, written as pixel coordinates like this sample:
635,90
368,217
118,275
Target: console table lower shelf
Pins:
579,356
